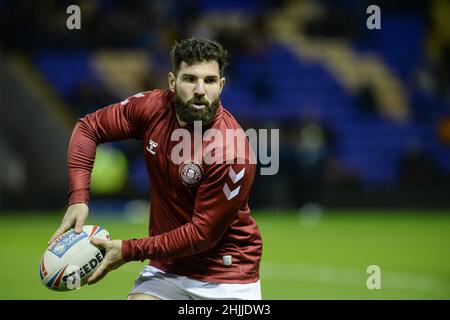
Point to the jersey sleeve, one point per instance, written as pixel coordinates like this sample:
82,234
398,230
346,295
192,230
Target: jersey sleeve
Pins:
115,122
221,194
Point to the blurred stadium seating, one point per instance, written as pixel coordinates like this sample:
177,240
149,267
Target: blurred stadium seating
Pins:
373,103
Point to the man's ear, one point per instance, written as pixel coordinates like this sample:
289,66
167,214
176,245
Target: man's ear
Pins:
172,78
221,83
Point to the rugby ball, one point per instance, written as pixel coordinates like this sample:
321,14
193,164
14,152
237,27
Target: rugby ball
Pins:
71,259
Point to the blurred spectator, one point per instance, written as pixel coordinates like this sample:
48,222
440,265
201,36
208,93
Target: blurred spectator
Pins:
417,168
311,145
443,129
438,44
333,22
87,98
366,100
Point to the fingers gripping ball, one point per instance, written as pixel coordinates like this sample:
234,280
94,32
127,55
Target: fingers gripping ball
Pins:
72,259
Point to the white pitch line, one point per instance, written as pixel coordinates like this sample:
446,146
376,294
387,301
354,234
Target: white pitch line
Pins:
350,276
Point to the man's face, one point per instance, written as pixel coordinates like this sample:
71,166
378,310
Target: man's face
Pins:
197,89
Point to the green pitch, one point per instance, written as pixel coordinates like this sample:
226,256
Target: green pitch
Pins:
321,256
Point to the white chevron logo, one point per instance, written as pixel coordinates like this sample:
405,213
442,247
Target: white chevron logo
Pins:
230,194
236,177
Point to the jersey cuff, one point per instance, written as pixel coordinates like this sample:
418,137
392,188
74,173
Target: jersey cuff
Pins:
78,196
127,251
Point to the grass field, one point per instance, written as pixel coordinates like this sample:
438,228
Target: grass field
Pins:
322,258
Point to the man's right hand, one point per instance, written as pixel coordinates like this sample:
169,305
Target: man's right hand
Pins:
76,215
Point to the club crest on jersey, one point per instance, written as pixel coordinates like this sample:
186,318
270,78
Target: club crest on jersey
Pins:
190,173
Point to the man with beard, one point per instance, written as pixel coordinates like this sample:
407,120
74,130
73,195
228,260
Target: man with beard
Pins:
202,243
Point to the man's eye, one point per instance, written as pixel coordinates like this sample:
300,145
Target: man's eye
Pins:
189,79
210,80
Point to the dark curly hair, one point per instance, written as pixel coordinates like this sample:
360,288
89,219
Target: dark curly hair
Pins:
197,50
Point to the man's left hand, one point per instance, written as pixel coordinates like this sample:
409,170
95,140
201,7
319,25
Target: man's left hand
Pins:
113,258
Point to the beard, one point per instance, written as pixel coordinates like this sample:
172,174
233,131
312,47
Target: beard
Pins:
187,113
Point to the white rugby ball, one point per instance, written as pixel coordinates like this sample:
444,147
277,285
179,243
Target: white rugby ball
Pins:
72,259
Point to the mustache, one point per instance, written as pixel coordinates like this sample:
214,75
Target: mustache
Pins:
198,101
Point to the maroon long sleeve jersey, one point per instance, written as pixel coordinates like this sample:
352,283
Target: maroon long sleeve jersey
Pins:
200,223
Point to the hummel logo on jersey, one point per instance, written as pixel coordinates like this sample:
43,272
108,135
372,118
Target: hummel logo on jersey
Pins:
235,177
151,145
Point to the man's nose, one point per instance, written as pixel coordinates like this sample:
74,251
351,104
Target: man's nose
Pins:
199,89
